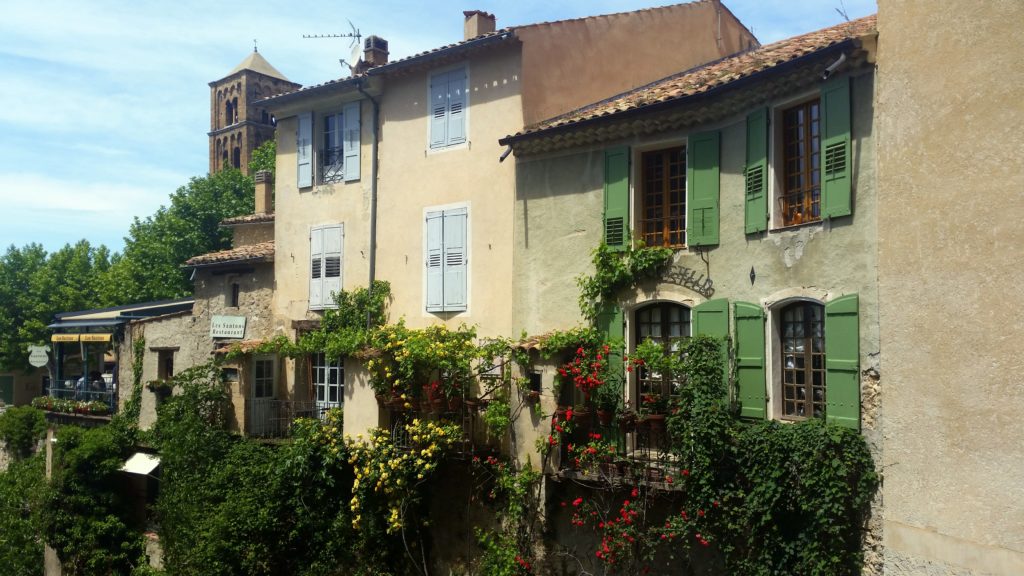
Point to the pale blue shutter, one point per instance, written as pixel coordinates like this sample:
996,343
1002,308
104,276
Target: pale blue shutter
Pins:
456,106
455,259
304,149
333,241
438,110
351,141
433,257
316,267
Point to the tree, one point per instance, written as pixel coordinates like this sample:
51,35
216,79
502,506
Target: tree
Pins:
264,157
150,268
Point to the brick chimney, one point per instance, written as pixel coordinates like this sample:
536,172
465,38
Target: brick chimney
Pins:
264,192
477,23
375,53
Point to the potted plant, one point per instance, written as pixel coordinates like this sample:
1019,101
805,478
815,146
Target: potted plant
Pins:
607,400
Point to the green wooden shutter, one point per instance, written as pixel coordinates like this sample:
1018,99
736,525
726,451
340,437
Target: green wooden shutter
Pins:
835,148
616,197
756,173
702,189
750,359
610,325
712,319
842,362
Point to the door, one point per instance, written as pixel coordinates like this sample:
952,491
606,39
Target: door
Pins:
7,390
262,421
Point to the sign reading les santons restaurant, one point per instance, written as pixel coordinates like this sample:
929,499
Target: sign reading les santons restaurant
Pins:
227,327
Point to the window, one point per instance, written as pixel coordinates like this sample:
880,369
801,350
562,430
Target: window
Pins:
338,158
800,200
234,294
802,336
811,160
446,259
165,364
448,104
263,378
328,382
325,264
663,197
665,323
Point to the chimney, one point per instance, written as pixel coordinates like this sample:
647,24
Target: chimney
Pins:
264,192
375,53
477,23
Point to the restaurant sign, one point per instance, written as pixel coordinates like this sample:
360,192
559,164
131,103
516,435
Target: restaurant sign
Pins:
227,327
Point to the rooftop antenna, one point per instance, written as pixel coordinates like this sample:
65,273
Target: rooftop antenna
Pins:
254,48
355,35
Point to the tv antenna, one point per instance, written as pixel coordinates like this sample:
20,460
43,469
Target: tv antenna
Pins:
355,35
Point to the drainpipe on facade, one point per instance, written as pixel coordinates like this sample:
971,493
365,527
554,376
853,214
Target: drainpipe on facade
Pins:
373,195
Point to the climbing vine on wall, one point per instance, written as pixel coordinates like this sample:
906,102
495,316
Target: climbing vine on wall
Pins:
615,270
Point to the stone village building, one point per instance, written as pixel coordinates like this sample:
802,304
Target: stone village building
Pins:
781,175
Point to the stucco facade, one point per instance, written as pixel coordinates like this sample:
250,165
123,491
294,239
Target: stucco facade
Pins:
416,177
951,199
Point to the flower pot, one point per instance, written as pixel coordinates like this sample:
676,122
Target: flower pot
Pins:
654,422
604,417
532,396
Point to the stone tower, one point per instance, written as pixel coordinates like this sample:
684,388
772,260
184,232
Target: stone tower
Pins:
238,125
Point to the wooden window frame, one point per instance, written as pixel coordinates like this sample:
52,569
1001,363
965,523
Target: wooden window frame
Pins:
662,222
799,163
805,362
662,384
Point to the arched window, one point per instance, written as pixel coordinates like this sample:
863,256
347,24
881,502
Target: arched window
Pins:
236,160
665,323
802,336
228,113
234,109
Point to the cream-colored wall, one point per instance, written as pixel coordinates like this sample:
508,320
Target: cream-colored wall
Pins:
951,197
413,178
297,211
558,222
573,63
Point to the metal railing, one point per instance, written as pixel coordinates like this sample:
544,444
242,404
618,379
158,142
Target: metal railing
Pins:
332,164
271,418
642,451
80,392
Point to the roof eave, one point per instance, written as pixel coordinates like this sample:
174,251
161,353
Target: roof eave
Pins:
737,84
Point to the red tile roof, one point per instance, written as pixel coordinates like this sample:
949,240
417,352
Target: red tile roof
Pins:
263,251
248,219
704,78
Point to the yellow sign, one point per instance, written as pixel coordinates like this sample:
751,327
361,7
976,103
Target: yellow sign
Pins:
95,337
64,338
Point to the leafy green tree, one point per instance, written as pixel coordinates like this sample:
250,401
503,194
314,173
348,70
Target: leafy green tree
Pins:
21,487
21,428
150,268
264,157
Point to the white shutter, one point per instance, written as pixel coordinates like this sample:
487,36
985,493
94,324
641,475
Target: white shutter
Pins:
456,106
334,240
455,259
304,149
351,143
438,110
433,257
316,267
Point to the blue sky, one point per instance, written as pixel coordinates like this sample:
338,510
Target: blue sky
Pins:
105,105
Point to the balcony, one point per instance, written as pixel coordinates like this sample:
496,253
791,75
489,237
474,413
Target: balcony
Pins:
271,418
475,436
332,165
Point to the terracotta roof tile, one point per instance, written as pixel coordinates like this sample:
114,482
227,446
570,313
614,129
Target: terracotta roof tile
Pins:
248,219
253,252
709,76
244,346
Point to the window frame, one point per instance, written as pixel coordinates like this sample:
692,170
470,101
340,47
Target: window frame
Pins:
640,192
445,211
666,385
809,370
325,301
337,173
258,382
320,361
448,143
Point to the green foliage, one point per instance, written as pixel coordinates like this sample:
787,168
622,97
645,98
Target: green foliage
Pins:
498,416
84,510
508,550
21,429
346,329
615,270
133,405
264,157
35,285
403,360
21,489
68,406
150,268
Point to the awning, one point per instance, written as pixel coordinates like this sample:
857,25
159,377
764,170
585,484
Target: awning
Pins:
141,463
